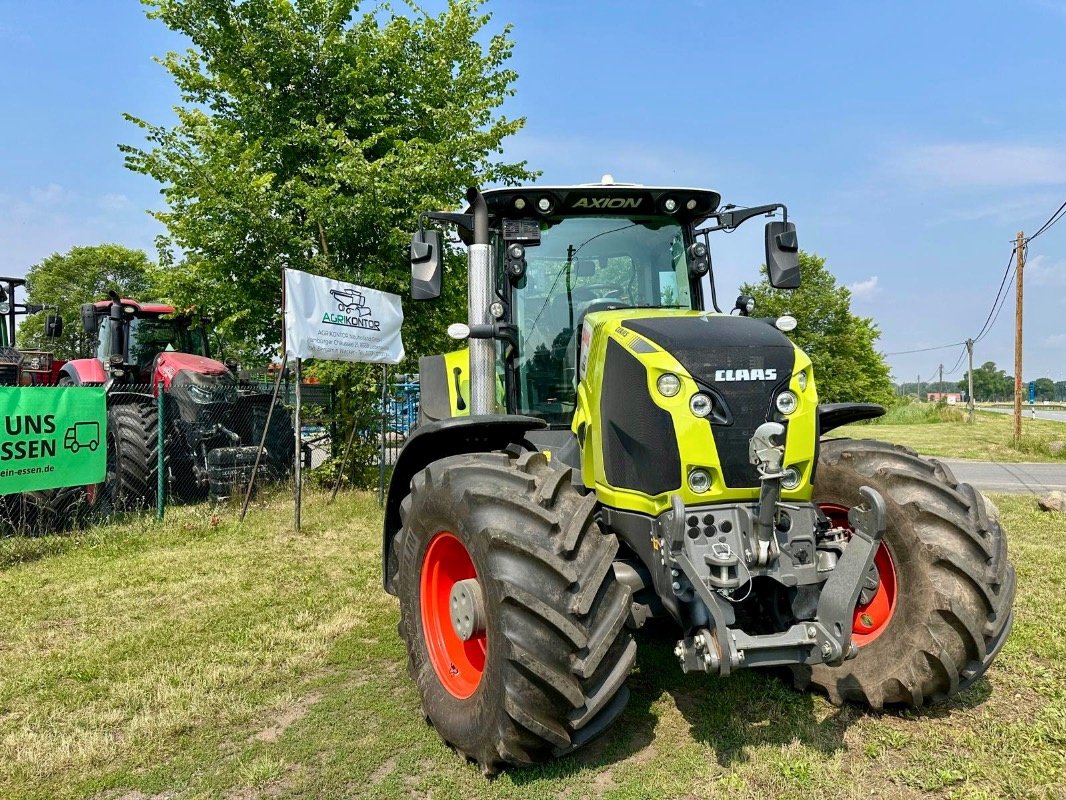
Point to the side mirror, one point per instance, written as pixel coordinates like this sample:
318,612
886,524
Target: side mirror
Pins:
782,255
88,318
425,265
53,326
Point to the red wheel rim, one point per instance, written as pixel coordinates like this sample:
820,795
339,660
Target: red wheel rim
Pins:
870,619
459,664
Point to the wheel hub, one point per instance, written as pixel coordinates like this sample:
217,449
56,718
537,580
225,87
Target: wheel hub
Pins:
453,615
467,605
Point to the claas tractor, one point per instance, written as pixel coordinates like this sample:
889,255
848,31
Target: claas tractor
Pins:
213,423
611,449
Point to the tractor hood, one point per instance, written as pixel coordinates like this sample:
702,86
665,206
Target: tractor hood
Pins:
169,364
725,375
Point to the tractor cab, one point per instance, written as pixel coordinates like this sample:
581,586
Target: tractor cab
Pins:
21,366
587,249
131,336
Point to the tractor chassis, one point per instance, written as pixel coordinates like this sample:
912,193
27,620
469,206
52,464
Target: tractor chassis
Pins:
698,556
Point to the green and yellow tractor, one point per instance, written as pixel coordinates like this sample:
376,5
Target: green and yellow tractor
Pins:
611,448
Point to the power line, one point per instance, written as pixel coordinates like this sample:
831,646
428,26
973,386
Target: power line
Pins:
1001,304
958,363
999,293
1054,218
924,349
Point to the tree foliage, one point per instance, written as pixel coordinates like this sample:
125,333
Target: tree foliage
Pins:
989,383
312,137
79,276
839,343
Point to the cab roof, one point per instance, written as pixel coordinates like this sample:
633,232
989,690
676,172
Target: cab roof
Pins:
139,308
602,199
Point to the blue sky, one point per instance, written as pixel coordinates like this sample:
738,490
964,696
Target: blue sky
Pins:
911,141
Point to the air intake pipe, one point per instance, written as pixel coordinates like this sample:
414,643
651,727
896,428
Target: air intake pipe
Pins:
480,291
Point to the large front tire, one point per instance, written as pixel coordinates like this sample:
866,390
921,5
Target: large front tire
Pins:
547,672
132,458
952,587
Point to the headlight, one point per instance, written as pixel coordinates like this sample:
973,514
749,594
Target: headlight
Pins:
786,402
699,481
791,479
199,394
801,379
701,405
668,384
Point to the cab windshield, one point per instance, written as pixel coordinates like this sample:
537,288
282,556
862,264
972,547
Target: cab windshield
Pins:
586,264
149,337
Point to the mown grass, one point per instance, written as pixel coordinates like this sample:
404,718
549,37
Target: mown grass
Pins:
198,659
943,431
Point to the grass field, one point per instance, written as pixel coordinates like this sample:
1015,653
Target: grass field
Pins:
201,659
988,439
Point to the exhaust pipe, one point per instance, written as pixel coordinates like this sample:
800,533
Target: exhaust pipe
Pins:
480,292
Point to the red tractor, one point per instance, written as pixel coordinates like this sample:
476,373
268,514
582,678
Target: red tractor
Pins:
212,422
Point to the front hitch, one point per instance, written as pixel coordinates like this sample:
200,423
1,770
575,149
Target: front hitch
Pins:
721,649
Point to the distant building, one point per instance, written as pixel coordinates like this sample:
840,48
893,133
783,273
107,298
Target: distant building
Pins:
951,398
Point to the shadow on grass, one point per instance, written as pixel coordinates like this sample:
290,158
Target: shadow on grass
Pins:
732,716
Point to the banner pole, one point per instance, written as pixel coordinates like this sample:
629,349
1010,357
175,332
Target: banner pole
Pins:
299,442
384,427
263,438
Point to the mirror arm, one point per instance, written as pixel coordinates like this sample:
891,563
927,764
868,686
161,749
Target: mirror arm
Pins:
731,220
462,220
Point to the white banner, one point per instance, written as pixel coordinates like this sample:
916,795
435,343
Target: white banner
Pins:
340,321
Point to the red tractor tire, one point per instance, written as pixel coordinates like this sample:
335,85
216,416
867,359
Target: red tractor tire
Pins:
944,606
544,672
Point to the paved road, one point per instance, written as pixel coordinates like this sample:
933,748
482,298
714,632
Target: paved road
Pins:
1050,414
995,476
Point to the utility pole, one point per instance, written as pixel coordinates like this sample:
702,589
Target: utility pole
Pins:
940,383
919,387
969,376
1019,251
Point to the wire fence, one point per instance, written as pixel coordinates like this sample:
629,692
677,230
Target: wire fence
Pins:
200,439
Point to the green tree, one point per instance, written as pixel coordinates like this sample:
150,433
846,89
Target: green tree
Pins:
1045,389
312,137
1060,390
839,343
990,383
65,281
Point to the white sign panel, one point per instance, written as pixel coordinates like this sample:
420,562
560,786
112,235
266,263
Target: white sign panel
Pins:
340,321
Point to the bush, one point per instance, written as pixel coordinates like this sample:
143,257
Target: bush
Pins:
911,413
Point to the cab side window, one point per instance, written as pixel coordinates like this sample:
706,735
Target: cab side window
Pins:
103,338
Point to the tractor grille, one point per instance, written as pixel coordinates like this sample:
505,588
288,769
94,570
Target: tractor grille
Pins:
639,445
706,345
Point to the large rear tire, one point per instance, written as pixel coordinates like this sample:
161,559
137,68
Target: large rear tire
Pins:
944,606
546,673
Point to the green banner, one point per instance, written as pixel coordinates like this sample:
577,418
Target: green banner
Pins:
52,437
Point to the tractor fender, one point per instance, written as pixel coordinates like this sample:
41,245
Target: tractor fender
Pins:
83,371
436,440
835,415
